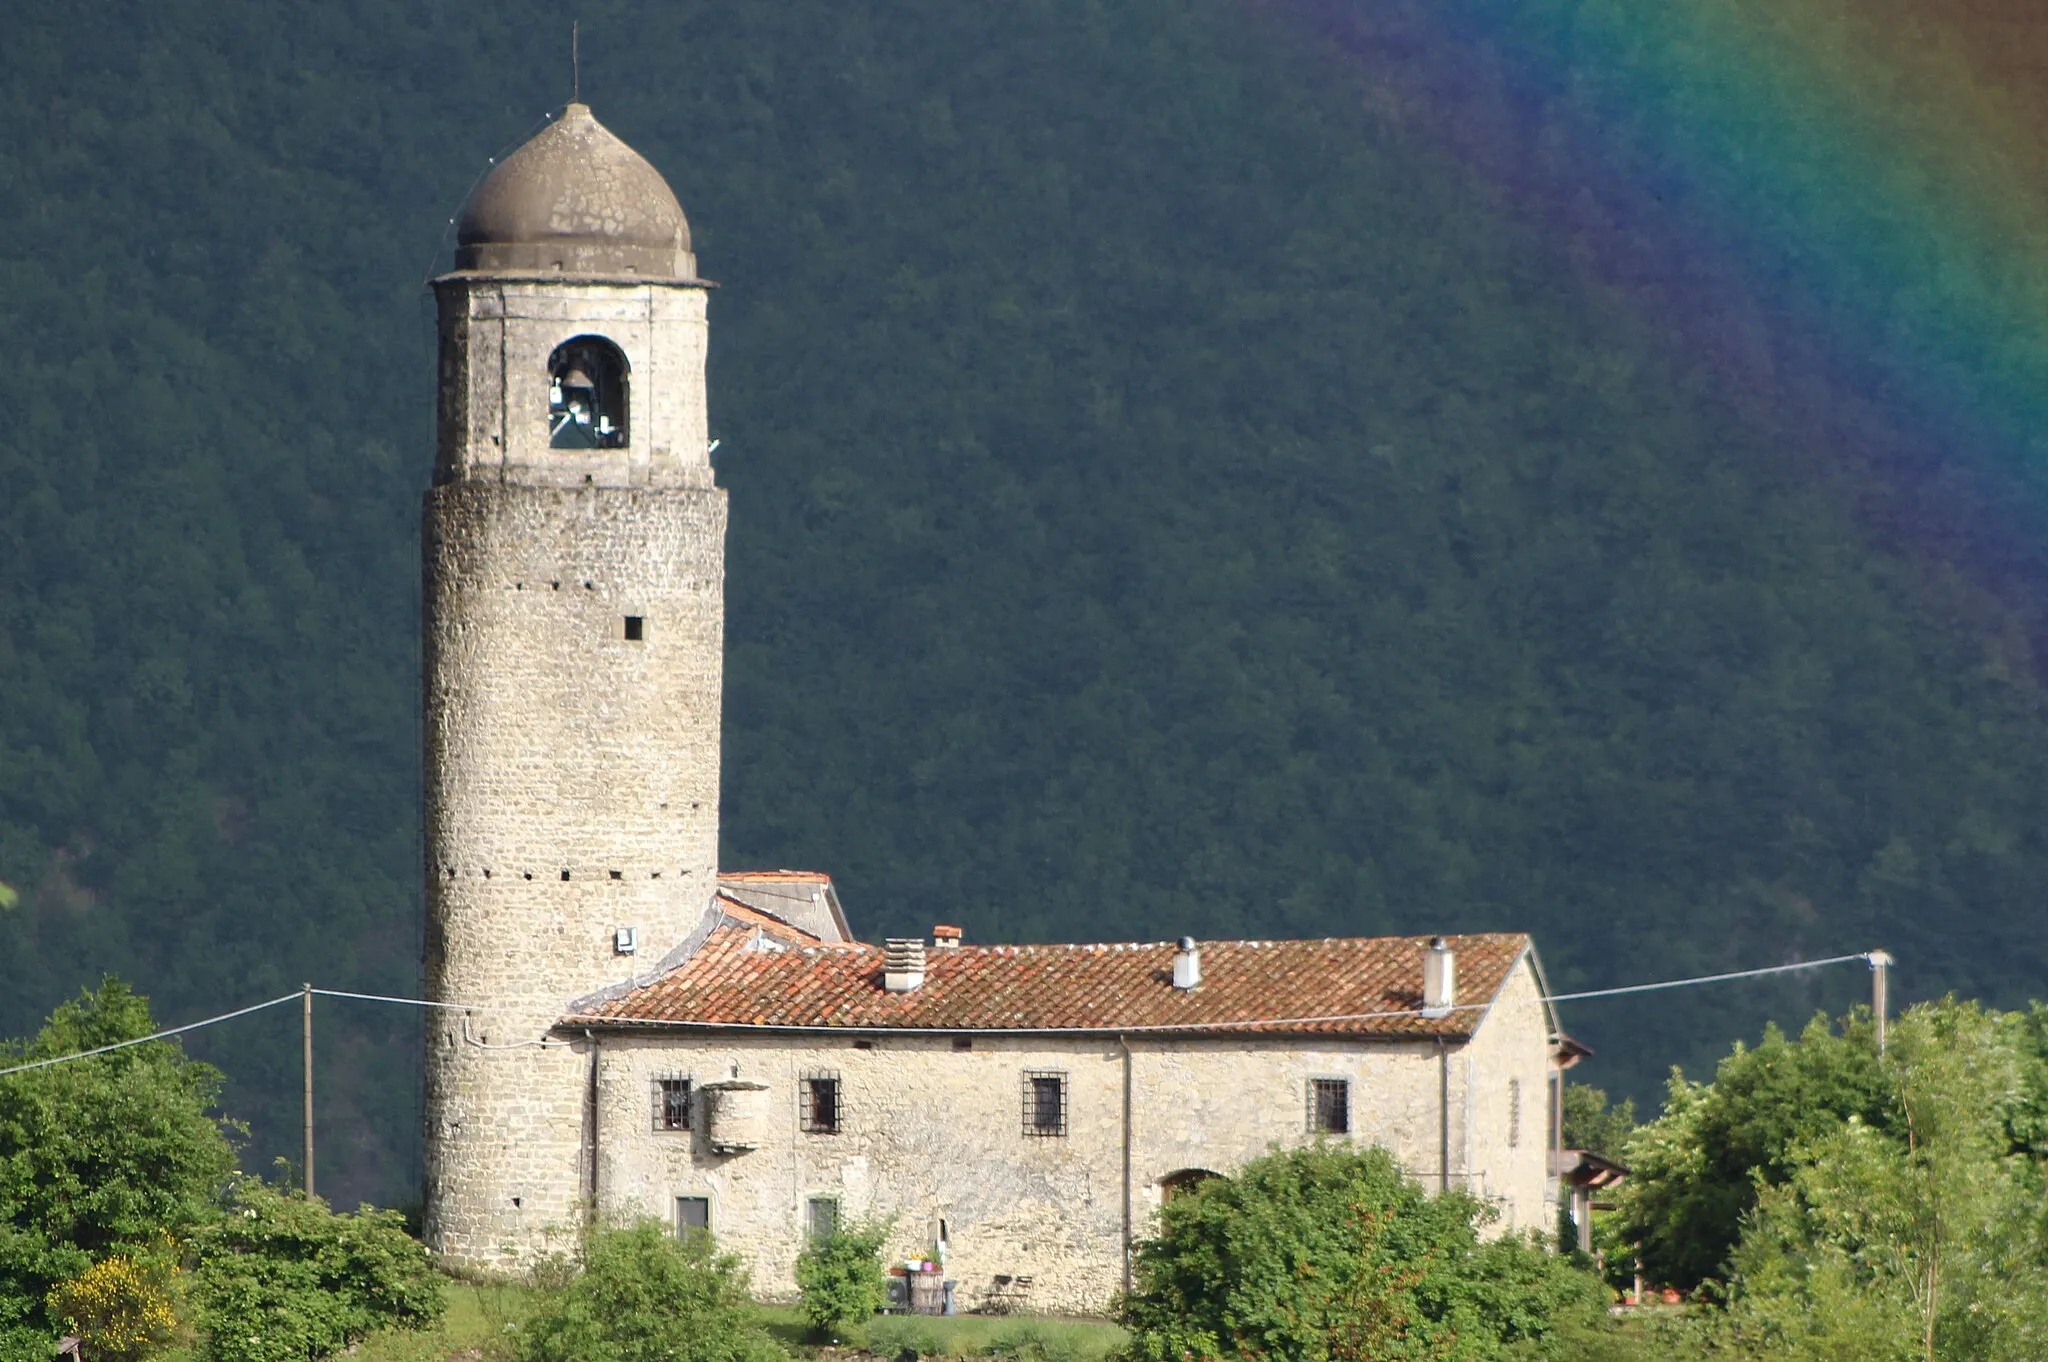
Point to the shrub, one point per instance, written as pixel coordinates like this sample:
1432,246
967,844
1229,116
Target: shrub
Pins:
645,1296
282,1276
1327,1253
841,1276
121,1308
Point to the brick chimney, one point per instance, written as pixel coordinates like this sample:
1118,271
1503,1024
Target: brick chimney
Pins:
945,938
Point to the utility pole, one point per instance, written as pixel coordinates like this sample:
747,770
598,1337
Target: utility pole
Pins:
308,1013
1880,963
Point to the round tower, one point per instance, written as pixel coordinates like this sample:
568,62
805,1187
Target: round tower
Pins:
574,621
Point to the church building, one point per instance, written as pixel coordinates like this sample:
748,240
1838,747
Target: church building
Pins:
631,1031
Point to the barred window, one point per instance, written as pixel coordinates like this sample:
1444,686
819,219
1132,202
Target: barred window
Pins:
818,1104
1045,1102
1329,1106
821,1216
692,1213
672,1102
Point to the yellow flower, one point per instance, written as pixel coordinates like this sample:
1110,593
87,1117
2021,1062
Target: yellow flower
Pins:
120,1308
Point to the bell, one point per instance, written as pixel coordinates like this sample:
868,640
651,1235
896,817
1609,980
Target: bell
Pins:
576,378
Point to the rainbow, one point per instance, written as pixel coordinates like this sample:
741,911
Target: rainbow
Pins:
1842,193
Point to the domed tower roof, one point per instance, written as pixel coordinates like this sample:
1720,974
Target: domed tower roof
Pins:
575,200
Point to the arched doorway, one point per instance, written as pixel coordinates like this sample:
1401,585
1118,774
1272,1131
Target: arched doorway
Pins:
1181,1183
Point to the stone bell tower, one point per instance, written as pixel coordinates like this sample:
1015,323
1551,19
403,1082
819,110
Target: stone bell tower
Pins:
574,619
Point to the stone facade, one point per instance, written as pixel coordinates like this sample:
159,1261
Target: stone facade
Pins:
934,1130
572,758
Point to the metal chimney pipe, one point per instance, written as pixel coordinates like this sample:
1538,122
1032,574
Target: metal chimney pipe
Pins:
1439,978
1187,965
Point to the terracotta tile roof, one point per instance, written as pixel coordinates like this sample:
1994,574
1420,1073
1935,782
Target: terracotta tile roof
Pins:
748,974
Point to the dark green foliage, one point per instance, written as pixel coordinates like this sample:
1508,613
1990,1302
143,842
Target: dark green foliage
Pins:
281,1277
840,1275
100,1154
1590,1123
1696,1170
644,1295
1169,495
1324,1253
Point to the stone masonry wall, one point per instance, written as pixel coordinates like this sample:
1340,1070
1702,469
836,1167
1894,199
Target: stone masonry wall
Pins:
572,772
932,1132
1506,1070
496,337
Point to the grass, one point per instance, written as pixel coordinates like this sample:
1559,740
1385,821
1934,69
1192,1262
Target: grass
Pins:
479,1319
1028,1337
1021,1337
477,1322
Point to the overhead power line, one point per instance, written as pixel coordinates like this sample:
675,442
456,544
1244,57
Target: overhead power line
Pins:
144,1040
386,998
1867,957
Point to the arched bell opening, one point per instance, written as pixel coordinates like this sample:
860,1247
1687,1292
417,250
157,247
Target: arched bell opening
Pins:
587,395
1185,1181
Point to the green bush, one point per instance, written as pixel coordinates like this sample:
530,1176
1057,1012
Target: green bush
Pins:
646,1296
841,1276
1327,1253
281,1276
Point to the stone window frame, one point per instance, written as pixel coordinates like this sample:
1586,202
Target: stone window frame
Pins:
1032,1109
698,1198
807,1105
1315,1089
1514,1113
820,1221
658,1088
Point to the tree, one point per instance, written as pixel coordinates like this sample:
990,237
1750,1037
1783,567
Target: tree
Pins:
1695,1171
98,1156
1589,1123
644,1295
1925,1241
1329,1253
280,1276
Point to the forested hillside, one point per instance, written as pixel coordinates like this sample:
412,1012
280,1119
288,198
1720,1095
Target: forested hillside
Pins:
1169,495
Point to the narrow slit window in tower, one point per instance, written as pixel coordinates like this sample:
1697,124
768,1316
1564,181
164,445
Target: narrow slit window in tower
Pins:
636,628
587,395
